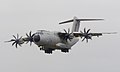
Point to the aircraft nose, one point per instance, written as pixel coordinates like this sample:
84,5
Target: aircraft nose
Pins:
36,38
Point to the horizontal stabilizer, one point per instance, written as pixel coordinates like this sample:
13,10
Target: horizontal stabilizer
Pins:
66,21
80,20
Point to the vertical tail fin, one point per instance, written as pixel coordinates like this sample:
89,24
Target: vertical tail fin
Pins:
76,23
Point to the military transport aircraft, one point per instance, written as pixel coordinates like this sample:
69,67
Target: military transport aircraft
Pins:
52,40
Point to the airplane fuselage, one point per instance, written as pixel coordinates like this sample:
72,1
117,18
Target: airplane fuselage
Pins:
52,40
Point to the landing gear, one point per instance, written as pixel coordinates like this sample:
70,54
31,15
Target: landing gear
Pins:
65,50
49,51
41,47
46,50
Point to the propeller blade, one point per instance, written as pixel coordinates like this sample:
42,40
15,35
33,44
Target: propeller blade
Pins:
30,43
88,30
27,35
17,36
69,39
33,35
27,42
13,43
65,31
30,34
70,33
83,39
14,36
68,30
81,32
20,37
84,30
91,38
87,40
16,45
20,45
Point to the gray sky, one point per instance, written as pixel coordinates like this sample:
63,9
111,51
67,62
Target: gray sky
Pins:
20,16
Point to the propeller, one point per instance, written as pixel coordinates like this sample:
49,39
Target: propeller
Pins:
67,35
86,35
16,41
29,38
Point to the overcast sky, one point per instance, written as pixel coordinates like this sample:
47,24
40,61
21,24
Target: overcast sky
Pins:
20,16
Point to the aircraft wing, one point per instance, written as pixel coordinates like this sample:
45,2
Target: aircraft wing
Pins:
78,34
91,34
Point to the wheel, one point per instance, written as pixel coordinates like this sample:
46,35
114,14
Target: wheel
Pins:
49,51
65,50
